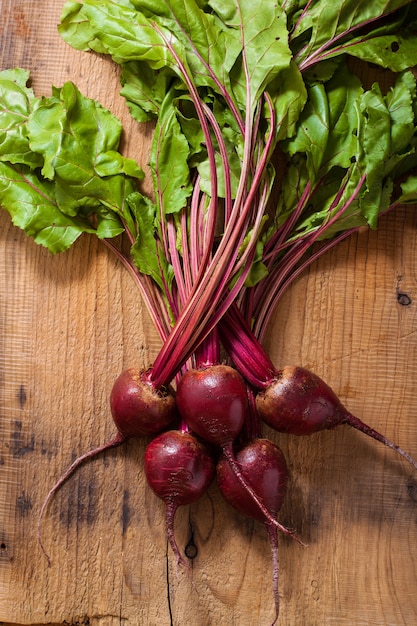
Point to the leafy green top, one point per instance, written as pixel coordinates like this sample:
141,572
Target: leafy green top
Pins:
229,83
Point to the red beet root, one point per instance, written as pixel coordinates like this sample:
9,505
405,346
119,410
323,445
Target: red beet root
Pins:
138,409
179,470
298,402
264,467
214,403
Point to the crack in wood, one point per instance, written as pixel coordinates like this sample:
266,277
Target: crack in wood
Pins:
168,589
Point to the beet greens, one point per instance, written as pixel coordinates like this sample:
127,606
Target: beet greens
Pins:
267,150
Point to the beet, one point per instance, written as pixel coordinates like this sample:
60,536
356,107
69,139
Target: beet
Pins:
179,469
263,465
138,408
214,403
299,402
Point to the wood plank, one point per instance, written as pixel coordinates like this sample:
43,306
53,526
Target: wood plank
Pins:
70,323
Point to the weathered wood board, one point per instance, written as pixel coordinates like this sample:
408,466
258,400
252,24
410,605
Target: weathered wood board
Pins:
70,323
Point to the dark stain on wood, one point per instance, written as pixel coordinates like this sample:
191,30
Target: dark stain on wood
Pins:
79,502
18,446
24,504
412,489
22,396
19,24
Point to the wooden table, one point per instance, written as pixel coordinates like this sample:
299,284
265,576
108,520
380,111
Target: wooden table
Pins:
70,323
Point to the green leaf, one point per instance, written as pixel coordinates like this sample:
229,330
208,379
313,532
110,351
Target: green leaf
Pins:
294,183
387,136
33,208
409,190
112,163
397,52
78,140
169,161
327,127
313,131
239,43
402,105
144,89
45,129
16,103
208,51
192,130
79,180
348,147
116,28
289,97
146,250
107,223
325,29
374,133
260,27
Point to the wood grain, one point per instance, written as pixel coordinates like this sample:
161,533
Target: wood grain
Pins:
70,323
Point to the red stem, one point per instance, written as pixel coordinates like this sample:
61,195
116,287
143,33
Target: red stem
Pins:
190,328
244,349
170,511
273,542
269,290
356,423
252,428
208,352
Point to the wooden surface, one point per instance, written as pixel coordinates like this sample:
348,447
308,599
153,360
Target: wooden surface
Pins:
70,323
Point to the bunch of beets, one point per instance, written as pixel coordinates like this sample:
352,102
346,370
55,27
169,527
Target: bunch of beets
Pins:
268,149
